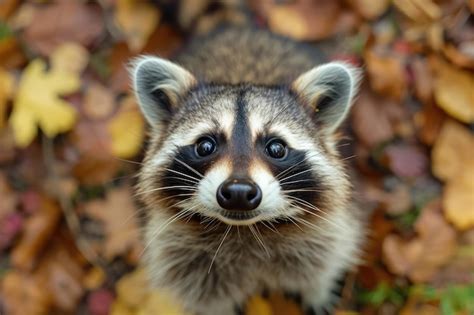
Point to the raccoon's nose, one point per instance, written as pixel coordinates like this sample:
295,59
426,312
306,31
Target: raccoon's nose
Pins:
239,194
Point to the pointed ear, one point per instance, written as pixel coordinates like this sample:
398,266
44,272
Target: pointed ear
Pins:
329,89
158,85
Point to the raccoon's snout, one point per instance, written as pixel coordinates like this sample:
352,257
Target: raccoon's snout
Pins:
239,194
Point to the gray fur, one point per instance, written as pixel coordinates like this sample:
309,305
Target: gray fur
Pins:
278,83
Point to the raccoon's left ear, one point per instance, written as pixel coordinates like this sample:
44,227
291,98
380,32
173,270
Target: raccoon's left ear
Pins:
329,89
158,85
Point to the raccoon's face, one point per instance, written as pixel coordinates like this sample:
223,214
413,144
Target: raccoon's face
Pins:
242,153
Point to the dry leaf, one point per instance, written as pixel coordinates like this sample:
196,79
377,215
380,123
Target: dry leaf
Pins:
99,102
386,73
309,20
127,130
137,21
37,101
38,230
134,296
406,160
23,295
458,197
59,22
258,306
422,257
370,9
282,306
453,149
7,196
370,120
454,90
119,216
6,91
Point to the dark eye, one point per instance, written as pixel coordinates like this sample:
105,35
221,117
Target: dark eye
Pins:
276,149
205,146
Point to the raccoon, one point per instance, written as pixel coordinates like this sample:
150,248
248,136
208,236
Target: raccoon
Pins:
243,184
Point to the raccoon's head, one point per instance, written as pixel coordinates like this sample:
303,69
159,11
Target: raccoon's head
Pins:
243,153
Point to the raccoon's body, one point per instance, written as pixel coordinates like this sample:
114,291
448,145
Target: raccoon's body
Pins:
243,184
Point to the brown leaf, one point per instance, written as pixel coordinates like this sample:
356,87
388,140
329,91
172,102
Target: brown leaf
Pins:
452,151
99,102
420,258
429,122
309,20
458,198
454,90
137,21
24,295
38,230
7,196
370,120
423,80
386,72
406,160
370,9
63,21
118,214
282,306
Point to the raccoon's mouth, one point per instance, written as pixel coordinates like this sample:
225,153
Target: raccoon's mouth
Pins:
239,217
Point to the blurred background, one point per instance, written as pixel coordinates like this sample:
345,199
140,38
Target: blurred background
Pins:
72,138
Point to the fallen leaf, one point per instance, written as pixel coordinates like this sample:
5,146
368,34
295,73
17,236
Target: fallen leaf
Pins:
127,130
452,151
37,232
56,23
371,122
429,122
406,160
282,306
137,21
134,296
423,80
458,198
99,302
370,9
6,92
8,197
7,7
258,306
309,20
454,90
99,102
37,101
17,288
420,258
386,72
118,214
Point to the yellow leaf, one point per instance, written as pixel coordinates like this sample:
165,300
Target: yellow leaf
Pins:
132,289
453,148
137,20
258,306
458,199
160,303
6,90
127,130
454,90
37,101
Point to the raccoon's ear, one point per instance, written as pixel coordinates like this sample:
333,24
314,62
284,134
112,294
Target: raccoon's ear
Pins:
158,85
329,89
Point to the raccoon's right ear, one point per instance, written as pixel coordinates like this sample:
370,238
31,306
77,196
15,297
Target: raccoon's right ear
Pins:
158,85
329,89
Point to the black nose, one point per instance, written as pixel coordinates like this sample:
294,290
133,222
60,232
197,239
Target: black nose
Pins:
239,194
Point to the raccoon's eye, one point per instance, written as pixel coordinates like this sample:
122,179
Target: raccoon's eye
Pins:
205,146
276,149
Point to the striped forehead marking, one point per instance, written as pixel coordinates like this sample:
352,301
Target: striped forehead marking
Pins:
241,145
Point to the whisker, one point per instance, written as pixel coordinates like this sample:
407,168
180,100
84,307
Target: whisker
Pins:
302,190
316,215
299,173
180,173
166,188
189,167
259,241
219,247
129,161
181,178
298,181
293,166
